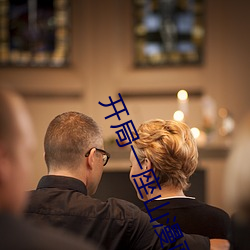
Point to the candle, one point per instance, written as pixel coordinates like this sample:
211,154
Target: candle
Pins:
178,116
182,97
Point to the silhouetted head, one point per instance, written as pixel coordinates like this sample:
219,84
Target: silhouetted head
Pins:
16,149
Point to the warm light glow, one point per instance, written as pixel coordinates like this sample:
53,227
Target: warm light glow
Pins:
223,113
178,116
195,132
202,139
182,95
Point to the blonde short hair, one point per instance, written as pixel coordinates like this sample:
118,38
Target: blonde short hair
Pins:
171,149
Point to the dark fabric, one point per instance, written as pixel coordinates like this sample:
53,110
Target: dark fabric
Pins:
239,238
16,234
115,224
193,216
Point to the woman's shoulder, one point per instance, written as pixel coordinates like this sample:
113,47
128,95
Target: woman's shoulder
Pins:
216,212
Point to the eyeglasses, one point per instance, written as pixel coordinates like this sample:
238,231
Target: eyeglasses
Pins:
105,155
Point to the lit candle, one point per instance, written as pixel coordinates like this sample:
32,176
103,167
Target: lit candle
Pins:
182,97
195,132
199,136
178,116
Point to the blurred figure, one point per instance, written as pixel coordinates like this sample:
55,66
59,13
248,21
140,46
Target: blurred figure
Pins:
169,149
16,149
237,186
75,158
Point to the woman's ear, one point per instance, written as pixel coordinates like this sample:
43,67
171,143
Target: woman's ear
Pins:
147,164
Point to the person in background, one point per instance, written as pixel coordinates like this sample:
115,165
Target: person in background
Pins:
168,148
237,186
75,158
16,148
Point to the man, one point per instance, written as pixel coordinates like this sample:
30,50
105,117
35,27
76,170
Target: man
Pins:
75,158
16,148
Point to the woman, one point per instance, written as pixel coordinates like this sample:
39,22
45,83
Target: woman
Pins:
169,149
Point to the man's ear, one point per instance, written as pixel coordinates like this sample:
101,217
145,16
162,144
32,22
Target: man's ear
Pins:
91,159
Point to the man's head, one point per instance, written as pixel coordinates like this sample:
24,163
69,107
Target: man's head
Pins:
71,146
16,149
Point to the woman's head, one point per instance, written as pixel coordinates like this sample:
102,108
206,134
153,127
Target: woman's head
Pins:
170,150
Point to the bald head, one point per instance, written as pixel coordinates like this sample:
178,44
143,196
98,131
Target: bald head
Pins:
16,149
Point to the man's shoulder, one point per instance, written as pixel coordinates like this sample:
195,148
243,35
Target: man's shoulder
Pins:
78,204
130,210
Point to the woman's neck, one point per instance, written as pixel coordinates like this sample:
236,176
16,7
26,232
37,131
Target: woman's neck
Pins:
166,192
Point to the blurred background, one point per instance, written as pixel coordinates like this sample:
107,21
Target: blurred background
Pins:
95,49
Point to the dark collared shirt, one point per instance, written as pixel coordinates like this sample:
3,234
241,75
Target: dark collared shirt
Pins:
194,217
115,224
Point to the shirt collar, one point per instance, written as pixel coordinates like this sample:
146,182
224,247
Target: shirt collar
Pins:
176,197
62,182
